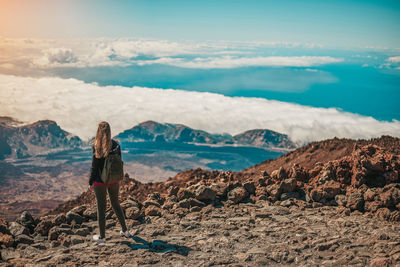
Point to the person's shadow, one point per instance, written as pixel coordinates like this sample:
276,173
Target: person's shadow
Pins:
157,246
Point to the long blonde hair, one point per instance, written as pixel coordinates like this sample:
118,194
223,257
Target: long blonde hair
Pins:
102,142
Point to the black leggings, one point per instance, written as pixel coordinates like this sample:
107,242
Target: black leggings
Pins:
101,198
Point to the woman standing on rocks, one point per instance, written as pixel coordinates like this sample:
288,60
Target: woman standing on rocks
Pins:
102,148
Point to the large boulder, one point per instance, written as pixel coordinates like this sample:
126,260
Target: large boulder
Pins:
189,203
250,187
73,217
185,193
56,231
18,229
298,173
274,192
355,201
27,220
133,213
288,185
279,174
204,193
44,226
79,210
47,222
237,194
90,213
391,197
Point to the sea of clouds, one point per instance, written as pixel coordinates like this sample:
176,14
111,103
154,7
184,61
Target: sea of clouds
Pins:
78,107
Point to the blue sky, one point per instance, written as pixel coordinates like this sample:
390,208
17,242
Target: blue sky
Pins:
331,22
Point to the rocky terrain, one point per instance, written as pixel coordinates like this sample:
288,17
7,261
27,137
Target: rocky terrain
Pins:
340,211
41,165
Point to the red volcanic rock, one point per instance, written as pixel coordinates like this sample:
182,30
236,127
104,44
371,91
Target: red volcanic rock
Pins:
204,193
326,191
391,197
4,227
6,240
356,175
152,211
133,213
279,174
355,201
380,262
288,185
299,173
237,194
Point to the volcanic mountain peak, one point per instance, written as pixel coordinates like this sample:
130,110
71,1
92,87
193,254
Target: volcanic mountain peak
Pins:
264,138
36,138
168,132
5,120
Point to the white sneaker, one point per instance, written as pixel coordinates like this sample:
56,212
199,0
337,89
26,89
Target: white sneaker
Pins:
98,239
126,234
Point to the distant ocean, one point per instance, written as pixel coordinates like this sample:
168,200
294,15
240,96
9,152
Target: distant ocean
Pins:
368,91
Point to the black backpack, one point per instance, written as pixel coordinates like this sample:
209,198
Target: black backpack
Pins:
113,170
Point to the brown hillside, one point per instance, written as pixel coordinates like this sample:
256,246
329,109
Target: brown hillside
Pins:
322,151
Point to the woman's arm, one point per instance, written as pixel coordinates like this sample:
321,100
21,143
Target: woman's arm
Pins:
93,168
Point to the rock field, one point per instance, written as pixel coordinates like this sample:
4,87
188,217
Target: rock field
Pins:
340,212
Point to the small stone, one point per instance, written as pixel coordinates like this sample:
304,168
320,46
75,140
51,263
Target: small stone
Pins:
56,231
152,211
74,217
173,191
9,254
133,213
91,213
6,240
59,219
74,239
82,232
24,239
184,194
190,202
79,210
4,227
380,262
64,240
242,256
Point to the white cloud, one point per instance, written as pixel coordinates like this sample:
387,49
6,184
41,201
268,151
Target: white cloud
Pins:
394,59
49,53
79,106
236,62
56,57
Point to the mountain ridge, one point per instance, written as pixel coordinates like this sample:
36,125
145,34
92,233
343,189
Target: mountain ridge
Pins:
36,138
169,132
